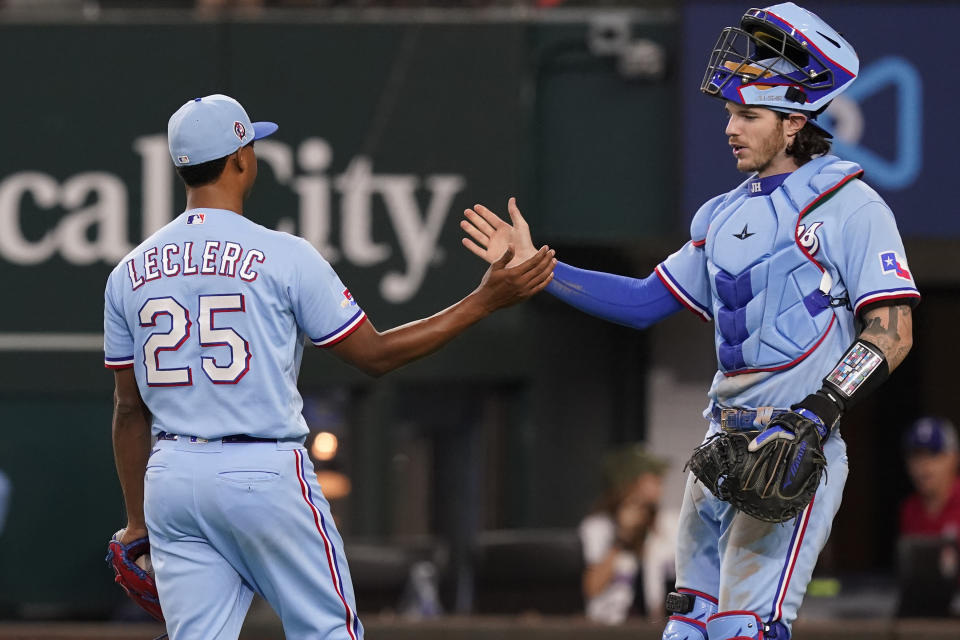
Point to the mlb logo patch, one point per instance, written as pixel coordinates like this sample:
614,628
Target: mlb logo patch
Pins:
890,262
196,218
239,129
348,301
183,159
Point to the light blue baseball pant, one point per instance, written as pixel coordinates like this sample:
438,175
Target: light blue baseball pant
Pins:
748,565
229,520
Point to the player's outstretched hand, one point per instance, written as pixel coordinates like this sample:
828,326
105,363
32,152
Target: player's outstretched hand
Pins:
503,286
491,235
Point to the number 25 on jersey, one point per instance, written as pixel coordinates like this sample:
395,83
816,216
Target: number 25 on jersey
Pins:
209,336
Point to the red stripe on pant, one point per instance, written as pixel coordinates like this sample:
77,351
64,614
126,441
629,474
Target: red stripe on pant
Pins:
326,542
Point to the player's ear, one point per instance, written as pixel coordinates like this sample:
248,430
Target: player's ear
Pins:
240,160
794,122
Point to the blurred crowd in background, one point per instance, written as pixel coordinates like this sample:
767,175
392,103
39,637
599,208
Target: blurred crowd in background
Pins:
627,542
629,538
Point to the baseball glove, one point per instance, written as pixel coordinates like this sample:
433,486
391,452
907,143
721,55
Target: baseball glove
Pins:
137,582
771,475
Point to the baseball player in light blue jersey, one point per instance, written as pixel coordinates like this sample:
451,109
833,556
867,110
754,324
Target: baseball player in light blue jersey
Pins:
802,270
205,324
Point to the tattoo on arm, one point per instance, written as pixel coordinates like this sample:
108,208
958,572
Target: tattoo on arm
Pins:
891,329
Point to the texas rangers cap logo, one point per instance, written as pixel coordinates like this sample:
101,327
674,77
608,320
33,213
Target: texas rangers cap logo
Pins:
239,129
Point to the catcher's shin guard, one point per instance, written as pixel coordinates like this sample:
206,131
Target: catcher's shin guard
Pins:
689,611
744,625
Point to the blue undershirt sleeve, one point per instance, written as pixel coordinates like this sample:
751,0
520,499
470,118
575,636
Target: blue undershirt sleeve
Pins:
628,301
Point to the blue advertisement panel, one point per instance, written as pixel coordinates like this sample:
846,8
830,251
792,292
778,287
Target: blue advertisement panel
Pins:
894,120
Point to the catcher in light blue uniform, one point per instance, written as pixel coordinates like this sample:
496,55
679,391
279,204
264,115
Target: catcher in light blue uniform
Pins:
205,324
802,270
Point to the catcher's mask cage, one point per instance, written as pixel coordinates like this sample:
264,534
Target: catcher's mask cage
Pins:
782,57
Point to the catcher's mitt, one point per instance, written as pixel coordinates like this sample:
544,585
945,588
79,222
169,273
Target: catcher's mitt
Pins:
770,475
138,584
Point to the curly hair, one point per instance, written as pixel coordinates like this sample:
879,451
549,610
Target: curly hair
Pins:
808,142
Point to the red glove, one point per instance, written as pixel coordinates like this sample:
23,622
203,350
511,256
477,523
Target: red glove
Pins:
138,584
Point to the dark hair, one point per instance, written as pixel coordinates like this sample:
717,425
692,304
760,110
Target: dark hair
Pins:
808,142
201,174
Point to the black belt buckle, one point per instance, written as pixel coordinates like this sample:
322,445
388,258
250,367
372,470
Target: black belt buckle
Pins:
679,602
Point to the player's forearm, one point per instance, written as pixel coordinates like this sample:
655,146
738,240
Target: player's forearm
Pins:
878,350
131,449
377,353
631,302
414,340
891,329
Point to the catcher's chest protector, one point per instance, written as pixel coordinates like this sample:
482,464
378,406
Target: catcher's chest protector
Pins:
771,303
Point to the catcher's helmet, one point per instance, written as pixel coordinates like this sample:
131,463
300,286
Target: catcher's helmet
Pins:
782,57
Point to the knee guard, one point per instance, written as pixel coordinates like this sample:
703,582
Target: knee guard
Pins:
689,612
735,625
744,625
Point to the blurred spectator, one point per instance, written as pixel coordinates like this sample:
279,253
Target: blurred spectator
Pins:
929,545
932,462
4,499
628,542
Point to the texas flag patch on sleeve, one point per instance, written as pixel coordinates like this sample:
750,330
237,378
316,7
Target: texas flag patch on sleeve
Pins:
890,262
348,300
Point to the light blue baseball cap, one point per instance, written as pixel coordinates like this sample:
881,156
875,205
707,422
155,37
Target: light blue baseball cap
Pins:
211,127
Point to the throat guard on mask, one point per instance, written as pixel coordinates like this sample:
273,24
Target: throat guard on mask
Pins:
772,301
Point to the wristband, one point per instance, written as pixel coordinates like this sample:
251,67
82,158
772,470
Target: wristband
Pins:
860,371
826,409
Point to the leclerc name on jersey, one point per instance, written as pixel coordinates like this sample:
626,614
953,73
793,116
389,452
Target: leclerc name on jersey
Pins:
214,258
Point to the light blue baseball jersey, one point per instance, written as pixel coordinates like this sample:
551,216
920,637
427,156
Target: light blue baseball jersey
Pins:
782,265
212,312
